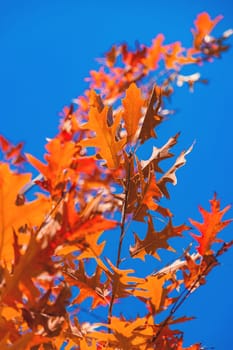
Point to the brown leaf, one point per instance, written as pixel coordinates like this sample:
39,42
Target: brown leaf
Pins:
195,272
155,240
111,56
170,175
152,118
90,286
148,196
159,154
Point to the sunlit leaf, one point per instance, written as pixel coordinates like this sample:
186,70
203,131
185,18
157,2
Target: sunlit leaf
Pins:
105,136
132,103
14,216
211,226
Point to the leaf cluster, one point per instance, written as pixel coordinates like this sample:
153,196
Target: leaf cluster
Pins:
75,241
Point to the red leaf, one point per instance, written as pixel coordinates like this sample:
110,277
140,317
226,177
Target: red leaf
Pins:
211,226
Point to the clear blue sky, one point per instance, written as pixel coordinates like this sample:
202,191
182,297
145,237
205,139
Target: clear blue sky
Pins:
48,48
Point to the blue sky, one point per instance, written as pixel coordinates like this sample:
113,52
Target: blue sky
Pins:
48,48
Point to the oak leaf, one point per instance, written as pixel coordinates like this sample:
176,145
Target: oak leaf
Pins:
122,283
127,334
152,117
13,216
170,175
153,54
204,26
35,260
89,286
88,246
49,311
111,56
132,113
159,154
211,226
104,140
11,152
95,101
174,56
154,292
155,240
77,226
59,159
145,194
195,272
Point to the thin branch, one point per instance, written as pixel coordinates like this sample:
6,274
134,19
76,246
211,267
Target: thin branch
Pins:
123,216
122,233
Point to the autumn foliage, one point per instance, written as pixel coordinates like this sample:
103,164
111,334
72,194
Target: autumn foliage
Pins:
71,236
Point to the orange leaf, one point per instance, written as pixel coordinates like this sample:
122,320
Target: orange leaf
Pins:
20,344
77,226
105,139
14,216
40,166
125,334
204,26
154,53
211,226
174,57
59,159
122,284
132,103
153,291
